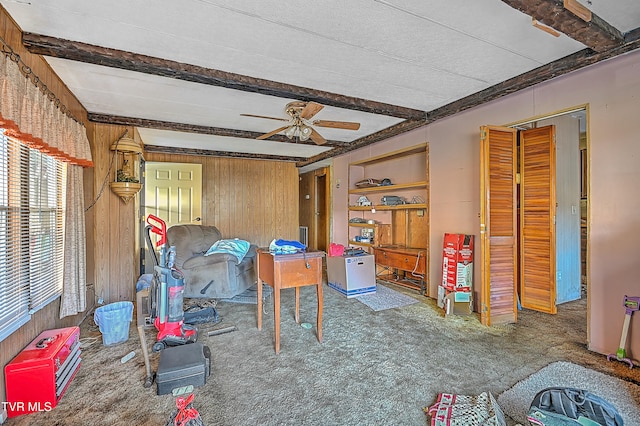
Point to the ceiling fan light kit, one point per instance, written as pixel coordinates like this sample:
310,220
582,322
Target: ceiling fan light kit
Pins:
305,132
300,126
290,132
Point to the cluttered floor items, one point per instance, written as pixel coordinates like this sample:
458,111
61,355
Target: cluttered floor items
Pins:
551,406
184,362
185,414
409,350
516,401
465,410
228,383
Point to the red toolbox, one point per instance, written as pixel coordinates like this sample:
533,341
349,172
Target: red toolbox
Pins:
38,376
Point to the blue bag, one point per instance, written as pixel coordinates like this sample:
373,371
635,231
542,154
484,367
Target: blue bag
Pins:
281,246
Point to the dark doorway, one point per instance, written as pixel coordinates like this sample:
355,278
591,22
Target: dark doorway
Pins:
314,208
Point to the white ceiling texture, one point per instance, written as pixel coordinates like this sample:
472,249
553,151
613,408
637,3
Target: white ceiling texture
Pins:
183,72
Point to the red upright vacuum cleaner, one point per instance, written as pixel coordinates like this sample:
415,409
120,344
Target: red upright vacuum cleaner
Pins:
166,292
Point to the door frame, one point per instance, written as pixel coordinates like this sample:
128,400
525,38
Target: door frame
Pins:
322,206
145,256
309,213
581,108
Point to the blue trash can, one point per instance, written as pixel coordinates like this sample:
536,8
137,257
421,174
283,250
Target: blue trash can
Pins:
114,320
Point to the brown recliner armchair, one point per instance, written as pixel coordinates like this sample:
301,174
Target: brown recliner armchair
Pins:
216,276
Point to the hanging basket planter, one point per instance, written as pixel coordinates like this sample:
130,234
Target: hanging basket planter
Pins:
126,183
126,190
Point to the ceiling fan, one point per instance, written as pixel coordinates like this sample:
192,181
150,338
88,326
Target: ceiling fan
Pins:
300,124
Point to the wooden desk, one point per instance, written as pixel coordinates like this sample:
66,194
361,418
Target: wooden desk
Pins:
403,266
286,271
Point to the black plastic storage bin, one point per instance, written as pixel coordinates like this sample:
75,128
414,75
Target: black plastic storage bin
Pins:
182,368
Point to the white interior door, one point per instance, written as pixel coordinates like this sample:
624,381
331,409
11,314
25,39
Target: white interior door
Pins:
172,192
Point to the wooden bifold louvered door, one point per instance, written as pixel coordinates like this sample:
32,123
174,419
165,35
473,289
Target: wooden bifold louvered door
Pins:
537,219
511,246
498,227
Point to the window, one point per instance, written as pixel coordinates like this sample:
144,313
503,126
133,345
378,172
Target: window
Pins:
32,200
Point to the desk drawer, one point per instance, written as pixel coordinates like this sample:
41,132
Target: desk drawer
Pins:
295,273
404,261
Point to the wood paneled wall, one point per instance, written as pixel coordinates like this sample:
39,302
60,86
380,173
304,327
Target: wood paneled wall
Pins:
112,240
48,317
256,200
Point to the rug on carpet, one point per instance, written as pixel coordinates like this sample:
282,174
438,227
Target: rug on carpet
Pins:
385,298
250,295
625,396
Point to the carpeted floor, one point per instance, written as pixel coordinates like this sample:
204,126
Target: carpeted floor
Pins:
625,396
373,368
250,295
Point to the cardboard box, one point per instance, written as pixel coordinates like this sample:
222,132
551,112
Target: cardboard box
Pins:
458,303
352,275
457,262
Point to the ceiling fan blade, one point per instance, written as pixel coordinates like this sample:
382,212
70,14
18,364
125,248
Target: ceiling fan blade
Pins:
348,125
317,138
264,116
268,135
311,109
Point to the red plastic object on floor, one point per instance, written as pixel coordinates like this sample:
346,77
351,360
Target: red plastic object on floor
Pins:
37,378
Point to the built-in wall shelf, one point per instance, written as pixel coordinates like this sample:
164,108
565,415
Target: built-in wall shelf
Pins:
381,207
401,225
389,188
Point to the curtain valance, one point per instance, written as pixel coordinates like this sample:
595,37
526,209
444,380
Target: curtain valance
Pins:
35,116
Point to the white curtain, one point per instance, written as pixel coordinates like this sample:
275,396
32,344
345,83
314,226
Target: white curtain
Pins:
34,116
74,286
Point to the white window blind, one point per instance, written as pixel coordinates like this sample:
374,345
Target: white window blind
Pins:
32,200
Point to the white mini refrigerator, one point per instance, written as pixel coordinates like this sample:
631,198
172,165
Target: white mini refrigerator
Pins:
352,275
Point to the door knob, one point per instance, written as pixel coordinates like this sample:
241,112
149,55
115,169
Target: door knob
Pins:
197,219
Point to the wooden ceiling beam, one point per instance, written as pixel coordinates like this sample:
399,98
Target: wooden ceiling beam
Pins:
554,69
214,153
389,132
192,128
97,55
596,34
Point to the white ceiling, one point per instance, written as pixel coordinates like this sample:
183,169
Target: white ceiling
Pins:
417,54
